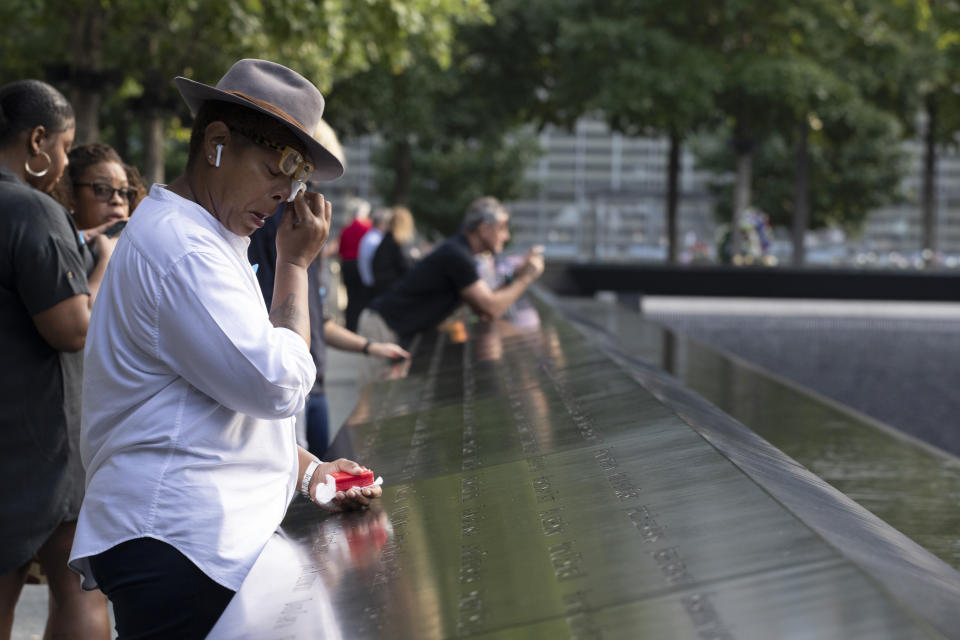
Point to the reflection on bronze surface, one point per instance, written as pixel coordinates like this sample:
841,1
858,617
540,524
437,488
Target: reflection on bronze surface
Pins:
535,489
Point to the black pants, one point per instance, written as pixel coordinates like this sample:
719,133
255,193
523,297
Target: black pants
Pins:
157,592
356,293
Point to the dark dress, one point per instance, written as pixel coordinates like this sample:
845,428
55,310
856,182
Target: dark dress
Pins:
42,263
390,264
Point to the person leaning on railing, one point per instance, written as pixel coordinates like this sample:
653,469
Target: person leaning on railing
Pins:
191,384
448,277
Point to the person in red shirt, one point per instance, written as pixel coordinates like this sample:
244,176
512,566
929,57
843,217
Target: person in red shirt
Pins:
359,211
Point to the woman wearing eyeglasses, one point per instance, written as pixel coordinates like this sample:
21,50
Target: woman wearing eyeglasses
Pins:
191,384
45,302
96,189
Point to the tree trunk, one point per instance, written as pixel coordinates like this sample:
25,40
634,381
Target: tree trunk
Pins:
153,171
402,172
743,147
929,191
741,198
122,135
152,124
801,193
86,72
673,196
86,109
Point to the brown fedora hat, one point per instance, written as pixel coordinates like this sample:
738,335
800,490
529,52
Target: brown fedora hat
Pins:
276,91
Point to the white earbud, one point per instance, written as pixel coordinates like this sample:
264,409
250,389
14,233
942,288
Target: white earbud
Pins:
219,151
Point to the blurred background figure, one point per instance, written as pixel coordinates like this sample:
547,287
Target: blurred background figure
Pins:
358,212
313,428
448,277
45,302
395,254
756,240
368,247
96,189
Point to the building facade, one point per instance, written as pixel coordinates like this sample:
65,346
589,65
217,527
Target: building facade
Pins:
600,195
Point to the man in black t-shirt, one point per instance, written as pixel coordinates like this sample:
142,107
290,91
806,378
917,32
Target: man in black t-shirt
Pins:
438,284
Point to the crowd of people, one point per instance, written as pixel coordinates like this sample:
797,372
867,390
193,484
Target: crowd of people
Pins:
161,345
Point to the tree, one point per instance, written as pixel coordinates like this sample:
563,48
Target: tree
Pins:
932,31
672,68
639,65
452,133
854,162
797,92
903,58
765,83
450,176
142,45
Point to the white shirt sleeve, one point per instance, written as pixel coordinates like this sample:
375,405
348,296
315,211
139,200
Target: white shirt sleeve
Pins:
365,252
214,331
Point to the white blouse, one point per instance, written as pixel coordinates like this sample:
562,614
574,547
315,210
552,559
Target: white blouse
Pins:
188,397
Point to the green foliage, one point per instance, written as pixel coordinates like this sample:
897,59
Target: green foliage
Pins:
842,68
855,164
146,43
452,133
631,68
450,176
447,84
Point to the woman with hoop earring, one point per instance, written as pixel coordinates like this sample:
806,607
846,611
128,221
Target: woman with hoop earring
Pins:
48,282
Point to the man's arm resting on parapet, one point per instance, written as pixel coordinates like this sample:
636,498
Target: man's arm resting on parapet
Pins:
494,304
487,302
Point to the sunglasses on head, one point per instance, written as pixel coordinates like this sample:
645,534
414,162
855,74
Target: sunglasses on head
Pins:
291,162
104,192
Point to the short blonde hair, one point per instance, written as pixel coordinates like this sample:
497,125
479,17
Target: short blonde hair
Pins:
401,226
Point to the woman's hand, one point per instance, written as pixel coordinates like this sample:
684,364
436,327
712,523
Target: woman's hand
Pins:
352,499
304,229
91,234
388,350
104,246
